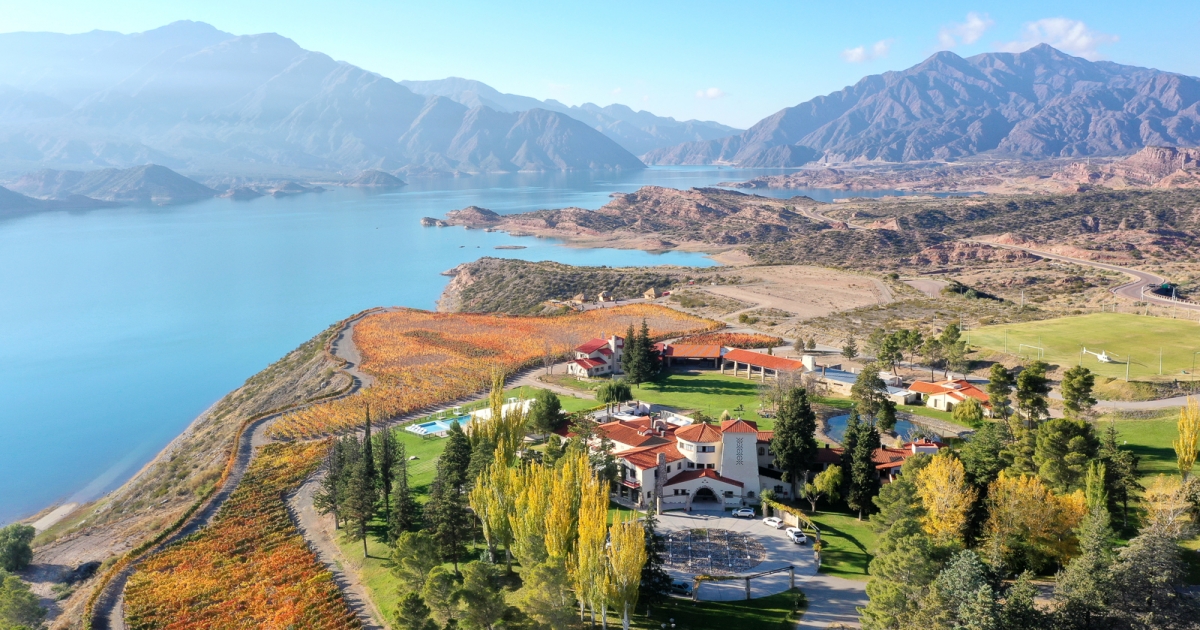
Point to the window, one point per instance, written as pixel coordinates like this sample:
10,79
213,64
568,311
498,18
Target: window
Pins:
762,451
691,465
728,494
778,488
710,465
749,495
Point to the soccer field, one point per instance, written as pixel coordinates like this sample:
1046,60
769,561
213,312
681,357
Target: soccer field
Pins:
1128,338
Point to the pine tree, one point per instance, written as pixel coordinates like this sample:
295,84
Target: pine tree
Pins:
413,614
368,449
360,501
445,514
386,447
455,461
795,444
554,450
1082,589
328,497
1064,448
546,412
483,452
1032,389
404,506
1077,384
863,479
1121,472
999,388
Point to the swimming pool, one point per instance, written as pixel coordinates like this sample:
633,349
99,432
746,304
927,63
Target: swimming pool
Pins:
436,427
836,428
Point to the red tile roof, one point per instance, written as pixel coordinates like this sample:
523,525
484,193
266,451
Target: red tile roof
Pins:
956,389
738,426
605,351
592,345
758,359
704,433
588,364
689,475
646,458
766,436
692,351
635,433
832,455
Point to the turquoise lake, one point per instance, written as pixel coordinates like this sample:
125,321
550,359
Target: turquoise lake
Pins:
120,326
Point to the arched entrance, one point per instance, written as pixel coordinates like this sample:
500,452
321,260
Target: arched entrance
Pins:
704,494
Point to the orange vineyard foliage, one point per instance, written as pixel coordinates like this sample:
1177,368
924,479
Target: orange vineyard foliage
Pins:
735,340
250,569
420,359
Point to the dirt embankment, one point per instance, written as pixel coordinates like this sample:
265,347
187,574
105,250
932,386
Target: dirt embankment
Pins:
167,486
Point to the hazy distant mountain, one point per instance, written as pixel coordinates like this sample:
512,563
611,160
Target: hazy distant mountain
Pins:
195,98
14,203
1038,103
376,179
639,132
142,184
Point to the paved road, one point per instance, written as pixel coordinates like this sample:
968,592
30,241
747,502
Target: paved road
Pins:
830,599
1131,290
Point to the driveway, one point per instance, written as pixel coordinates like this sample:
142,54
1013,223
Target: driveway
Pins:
831,599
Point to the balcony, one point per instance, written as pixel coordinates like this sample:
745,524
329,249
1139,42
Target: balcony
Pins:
631,483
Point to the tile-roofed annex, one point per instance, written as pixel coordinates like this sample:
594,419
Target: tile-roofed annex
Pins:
588,364
958,389
738,426
699,433
592,345
759,359
692,351
765,436
646,457
632,433
689,475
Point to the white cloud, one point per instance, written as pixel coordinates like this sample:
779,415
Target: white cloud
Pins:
859,54
967,32
710,93
1067,35
617,91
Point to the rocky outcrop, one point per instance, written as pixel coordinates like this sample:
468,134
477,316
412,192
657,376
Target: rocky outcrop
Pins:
958,253
432,222
1038,103
1152,167
14,203
473,217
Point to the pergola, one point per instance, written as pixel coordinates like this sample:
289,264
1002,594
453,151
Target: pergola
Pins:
737,358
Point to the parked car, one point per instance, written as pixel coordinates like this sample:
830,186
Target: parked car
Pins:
679,587
744,512
772,521
795,535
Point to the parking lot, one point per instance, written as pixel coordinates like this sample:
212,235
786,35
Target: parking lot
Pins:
778,552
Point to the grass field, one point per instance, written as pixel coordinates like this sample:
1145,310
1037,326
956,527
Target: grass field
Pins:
847,544
1151,441
769,613
1115,333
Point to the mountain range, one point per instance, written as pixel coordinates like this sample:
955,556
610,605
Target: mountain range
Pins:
1038,103
192,97
639,132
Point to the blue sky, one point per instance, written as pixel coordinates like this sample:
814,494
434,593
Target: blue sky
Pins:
734,62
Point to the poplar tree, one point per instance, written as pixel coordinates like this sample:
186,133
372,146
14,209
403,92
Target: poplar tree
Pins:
626,557
656,582
589,568
368,450
360,501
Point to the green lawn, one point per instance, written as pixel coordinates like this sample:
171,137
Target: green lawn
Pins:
846,542
1150,440
1115,333
709,392
922,410
768,613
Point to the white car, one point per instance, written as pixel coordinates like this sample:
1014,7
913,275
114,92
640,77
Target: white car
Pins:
772,521
795,535
744,512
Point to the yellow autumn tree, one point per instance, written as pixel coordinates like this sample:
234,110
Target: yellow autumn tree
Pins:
492,498
533,484
1167,507
947,498
561,517
588,564
626,557
1028,525
1189,437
